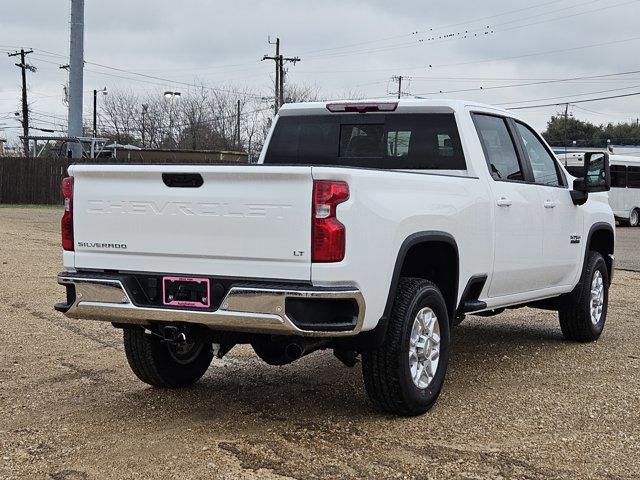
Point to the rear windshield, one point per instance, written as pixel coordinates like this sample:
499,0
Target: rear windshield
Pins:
388,141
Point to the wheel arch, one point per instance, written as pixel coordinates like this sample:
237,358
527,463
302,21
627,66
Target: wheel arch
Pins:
415,247
601,239
428,255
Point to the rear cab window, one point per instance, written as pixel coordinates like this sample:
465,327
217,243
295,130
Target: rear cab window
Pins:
406,141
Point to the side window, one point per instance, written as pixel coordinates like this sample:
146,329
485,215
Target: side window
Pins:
545,170
618,176
498,147
424,141
633,177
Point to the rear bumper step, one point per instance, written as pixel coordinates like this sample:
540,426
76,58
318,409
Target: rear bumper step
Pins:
254,309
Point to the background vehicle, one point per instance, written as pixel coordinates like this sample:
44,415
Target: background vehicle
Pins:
370,228
624,196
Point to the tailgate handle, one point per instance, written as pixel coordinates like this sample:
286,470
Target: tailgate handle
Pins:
182,180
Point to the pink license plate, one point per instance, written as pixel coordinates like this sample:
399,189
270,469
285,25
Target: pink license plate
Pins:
186,292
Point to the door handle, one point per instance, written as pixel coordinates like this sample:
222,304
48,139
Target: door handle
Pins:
504,202
549,204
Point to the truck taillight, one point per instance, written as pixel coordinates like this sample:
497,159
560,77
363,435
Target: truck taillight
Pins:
67,217
327,233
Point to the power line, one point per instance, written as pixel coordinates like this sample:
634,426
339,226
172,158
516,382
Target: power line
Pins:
576,101
572,95
619,117
534,54
253,65
165,80
153,77
475,32
500,59
542,82
607,7
441,27
514,79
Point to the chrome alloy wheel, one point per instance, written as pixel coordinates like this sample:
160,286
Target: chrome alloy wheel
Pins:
597,297
424,347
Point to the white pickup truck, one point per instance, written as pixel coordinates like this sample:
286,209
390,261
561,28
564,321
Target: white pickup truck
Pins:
370,228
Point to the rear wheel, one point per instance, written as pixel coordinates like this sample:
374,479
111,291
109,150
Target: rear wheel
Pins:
582,319
634,218
162,364
405,375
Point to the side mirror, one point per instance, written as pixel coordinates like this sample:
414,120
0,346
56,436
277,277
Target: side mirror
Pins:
596,177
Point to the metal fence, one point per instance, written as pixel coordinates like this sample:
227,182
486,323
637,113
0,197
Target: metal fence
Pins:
38,180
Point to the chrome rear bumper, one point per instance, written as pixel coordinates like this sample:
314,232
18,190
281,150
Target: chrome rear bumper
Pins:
243,309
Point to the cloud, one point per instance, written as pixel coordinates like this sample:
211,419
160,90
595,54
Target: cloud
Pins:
345,45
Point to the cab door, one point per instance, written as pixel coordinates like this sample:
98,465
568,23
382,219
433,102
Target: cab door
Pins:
562,221
518,222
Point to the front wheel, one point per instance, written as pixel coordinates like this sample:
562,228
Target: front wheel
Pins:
582,318
405,375
634,218
162,364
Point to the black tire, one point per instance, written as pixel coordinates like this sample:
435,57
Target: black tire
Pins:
157,363
386,371
634,218
575,314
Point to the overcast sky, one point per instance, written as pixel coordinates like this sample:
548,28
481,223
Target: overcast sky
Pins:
347,47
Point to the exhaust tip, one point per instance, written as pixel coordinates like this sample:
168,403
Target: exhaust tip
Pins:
293,351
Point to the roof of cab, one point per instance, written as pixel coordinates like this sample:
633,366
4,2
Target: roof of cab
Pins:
405,105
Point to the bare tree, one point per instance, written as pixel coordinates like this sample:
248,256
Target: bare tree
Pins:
120,116
301,92
201,118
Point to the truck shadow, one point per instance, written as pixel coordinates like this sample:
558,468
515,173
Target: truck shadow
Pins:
319,385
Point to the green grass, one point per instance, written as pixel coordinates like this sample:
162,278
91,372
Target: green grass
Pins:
20,205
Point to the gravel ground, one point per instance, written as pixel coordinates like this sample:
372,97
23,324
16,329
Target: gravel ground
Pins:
628,248
519,402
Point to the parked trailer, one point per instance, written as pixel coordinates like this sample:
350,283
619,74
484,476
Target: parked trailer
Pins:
624,196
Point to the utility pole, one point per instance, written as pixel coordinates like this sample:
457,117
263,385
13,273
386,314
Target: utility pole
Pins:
76,75
95,113
238,127
95,110
281,89
25,105
275,58
280,60
399,79
566,116
283,72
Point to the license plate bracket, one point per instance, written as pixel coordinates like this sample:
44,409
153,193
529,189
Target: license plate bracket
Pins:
190,292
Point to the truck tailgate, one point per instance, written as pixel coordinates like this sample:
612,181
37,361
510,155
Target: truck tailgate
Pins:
243,221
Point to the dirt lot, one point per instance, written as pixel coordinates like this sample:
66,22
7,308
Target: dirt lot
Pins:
519,402
628,248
